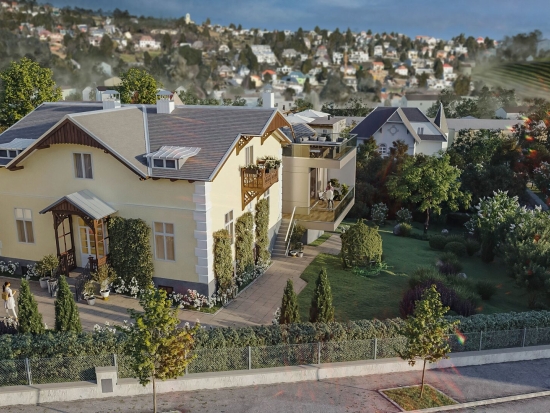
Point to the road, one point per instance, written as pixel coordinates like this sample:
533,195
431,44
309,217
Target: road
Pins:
346,395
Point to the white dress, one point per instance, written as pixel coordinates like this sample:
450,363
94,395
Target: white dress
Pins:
9,304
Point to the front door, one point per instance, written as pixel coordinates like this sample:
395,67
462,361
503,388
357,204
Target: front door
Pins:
87,241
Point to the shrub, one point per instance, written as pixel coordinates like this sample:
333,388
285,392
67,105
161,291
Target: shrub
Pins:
472,246
263,255
438,242
424,275
244,243
486,289
405,229
449,264
289,305
223,260
404,216
297,236
321,309
361,245
455,238
379,213
457,248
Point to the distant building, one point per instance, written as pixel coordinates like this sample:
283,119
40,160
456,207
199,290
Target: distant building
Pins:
511,112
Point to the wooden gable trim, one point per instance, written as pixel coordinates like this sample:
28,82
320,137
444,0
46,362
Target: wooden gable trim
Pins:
243,141
68,133
277,122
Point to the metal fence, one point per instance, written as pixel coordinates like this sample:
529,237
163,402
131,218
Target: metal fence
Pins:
70,369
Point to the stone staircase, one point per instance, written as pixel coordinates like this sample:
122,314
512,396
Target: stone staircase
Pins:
279,249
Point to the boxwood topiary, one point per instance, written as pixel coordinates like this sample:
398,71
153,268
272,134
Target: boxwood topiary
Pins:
472,246
449,264
438,242
361,245
457,248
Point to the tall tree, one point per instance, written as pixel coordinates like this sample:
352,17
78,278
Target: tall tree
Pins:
66,311
426,331
106,46
30,320
25,86
428,181
138,86
289,305
438,69
158,348
322,310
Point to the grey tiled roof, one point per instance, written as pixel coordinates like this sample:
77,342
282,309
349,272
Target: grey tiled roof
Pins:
373,121
435,138
300,130
43,118
415,115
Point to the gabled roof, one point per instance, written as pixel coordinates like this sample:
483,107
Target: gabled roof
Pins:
86,202
440,119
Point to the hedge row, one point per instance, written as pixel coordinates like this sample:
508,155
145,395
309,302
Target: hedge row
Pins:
70,344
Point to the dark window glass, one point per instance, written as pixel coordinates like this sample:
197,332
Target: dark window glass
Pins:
170,164
13,154
158,163
3,153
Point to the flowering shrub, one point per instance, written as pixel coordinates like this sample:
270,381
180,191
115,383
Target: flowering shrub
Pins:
8,268
192,299
276,316
32,271
404,216
132,289
379,213
541,176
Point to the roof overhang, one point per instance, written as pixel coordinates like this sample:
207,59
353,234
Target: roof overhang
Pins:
81,203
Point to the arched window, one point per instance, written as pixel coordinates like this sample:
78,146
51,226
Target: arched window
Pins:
382,149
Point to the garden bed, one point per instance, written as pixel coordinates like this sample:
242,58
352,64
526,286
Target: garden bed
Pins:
408,398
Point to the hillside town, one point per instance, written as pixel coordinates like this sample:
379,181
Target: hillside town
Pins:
197,217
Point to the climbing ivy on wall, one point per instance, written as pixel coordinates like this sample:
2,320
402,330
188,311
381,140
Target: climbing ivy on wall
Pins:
263,256
244,243
223,260
130,250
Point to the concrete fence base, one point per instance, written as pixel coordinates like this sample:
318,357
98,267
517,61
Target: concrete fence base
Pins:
108,384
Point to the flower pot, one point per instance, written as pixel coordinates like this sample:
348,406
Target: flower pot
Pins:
44,282
90,300
293,253
301,254
105,294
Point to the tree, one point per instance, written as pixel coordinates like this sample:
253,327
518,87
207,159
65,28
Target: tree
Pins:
158,348
244,240
66,311
321,310
106,46
423,80
25,86
30,320
307,86
438,69
166,42
428,181
223,260
289,305
426,332
261,218
461,85
138,86
361,245
302,104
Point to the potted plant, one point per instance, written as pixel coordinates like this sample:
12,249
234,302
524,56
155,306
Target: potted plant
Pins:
270,162
105,276
89,292
47,265
300,247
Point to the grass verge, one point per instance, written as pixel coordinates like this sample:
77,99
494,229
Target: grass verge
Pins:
409,397
319,241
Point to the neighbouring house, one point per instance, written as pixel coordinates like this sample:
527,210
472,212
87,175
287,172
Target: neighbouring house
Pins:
223,48
178,168
377,66
378,51
452,126
389,124
289,54
225,71
422,101
67,91
447,69
328,127
147,42
264,54
402,70
358,56
511,112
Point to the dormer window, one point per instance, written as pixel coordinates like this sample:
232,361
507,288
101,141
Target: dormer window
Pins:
10,150
171,157
5,153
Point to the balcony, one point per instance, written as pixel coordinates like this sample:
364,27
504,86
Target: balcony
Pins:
327,146
320,217
255,181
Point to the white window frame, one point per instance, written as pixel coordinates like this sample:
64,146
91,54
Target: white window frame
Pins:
229,224
17,152
164,235
266,194
249,155
82,163
24,220
164,163
383,149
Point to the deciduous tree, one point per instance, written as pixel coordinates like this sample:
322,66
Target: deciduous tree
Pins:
138,86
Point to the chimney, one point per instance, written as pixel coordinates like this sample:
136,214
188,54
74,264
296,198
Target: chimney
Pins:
111,99
165,102
268,99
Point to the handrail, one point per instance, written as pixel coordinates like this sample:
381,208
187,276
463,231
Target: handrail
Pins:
289,231
290,224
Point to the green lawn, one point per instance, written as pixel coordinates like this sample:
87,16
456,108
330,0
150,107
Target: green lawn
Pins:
357,297
409,398
321,239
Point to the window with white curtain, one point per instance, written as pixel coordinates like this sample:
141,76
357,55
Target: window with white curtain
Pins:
164,241
229,224
249,155
83,166
23,222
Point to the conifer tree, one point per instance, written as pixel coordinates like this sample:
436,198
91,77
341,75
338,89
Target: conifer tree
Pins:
66,311
426,331
289,306
321,310
30,320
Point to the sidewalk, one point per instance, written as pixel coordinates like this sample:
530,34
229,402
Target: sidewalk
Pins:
254,306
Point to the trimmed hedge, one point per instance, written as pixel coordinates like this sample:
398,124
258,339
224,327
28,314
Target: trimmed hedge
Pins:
457,248
438,242
68,344
472,246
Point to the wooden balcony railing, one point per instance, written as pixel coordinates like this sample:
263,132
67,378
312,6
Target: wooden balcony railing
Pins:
254,182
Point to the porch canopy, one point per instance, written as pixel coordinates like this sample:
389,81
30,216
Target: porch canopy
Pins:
87,206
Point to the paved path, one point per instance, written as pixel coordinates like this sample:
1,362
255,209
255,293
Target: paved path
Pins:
255,305
354,394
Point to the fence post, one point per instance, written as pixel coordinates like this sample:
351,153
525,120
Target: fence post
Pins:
480,339
524,334
115,361
318,352
249,358
28,369
375,347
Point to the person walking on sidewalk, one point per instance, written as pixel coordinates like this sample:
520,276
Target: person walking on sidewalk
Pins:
9,300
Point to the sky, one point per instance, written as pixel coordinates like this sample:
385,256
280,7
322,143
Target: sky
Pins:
438,18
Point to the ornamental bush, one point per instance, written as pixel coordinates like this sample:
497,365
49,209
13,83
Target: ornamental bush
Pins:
223,260
405,229
263,256
130,252
486,289
472,246
379,213
244,243
321,309
30,319
449,264
438,242
404,216
66,311
457,248
361,246
289,305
